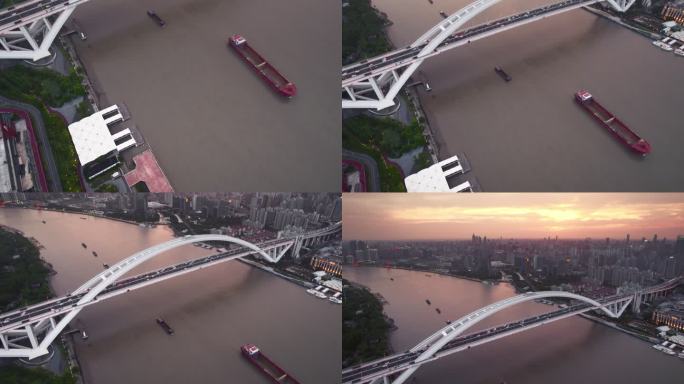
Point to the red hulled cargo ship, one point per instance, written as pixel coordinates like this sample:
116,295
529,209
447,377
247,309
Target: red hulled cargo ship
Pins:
277,375
616,127
267,72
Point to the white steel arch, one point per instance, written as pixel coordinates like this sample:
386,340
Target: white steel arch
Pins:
28,29
107,277
379,91
439,339
104,279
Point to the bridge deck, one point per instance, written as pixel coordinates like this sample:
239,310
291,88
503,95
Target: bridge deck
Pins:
397,363
405,56
65,303
28,11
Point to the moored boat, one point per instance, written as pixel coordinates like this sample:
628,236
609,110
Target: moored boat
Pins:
662,45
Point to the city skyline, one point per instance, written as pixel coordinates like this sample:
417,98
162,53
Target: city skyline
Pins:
511,215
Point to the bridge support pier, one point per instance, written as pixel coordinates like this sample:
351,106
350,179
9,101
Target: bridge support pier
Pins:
636,303
621,5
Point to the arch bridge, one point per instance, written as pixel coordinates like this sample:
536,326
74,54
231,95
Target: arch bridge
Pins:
375,82
29,331
397,368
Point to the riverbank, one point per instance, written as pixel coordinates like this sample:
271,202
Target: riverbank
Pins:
365,326
27,284
623,23
85,214
25,275
365,31
434,142
648,339
272,270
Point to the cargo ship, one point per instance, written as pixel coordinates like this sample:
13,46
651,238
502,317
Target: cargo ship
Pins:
167,328
616,127
277,375
267,72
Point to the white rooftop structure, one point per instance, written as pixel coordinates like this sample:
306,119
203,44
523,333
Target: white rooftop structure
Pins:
679,35
319,273
669,24
434,178
335,284
92,137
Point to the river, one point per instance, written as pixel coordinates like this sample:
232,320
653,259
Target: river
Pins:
213,311
529,134
569,351
212,123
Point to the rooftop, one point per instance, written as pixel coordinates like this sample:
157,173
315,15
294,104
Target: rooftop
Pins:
91,135
434,178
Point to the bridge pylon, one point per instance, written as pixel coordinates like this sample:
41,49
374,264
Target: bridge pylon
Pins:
27,30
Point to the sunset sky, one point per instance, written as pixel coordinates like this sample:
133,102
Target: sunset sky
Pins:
416,216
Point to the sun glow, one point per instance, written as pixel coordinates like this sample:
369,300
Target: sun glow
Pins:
570,215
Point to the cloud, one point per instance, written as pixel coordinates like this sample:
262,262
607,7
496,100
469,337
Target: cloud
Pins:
514,214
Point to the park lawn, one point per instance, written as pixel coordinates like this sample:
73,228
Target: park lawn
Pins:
363,32
44,88
380,137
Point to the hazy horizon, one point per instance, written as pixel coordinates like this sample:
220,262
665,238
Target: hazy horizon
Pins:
521,216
